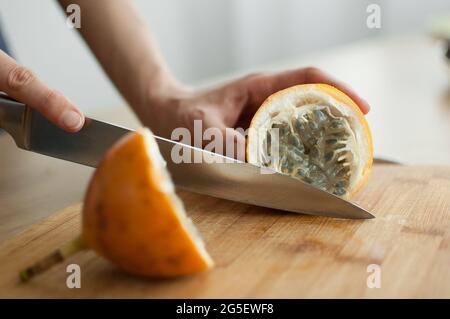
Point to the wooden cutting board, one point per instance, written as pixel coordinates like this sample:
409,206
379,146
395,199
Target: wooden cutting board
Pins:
267,253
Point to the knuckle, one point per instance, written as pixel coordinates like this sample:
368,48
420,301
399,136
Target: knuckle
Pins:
238,97
194,114
312,71
198,114
256,80
254,75
19,77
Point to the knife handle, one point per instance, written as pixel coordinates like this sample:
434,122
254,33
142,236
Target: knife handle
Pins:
12,118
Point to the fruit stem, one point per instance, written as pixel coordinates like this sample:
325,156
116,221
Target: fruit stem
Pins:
54,258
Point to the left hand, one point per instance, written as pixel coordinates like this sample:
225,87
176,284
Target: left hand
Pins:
231,105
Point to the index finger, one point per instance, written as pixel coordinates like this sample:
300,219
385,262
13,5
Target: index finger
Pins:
314,75
262,86
21,84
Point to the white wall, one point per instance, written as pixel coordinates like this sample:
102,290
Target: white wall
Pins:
200,38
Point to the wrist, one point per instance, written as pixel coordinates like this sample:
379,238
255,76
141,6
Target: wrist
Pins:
154,92
159,101
163,90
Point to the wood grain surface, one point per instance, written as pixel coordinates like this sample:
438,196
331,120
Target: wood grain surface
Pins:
267,253
32,186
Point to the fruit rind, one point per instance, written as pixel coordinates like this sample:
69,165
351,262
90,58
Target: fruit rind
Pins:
133,217
276,102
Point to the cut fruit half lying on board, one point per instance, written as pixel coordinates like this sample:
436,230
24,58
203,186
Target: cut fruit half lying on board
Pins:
133,217
314,133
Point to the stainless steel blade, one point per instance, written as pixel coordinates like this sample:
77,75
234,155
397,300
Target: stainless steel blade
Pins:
86,147
207,173
222,177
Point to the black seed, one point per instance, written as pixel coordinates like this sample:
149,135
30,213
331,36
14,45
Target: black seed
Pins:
312,141
313,125
298,151
339,191
293,140
343,171
336,124
314,152
284,164
301,172
328,156
307,117
299,126
320,116
341,184
268,137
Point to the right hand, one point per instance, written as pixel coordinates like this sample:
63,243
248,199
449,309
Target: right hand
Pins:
21,84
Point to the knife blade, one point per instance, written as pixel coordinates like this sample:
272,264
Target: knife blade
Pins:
214,175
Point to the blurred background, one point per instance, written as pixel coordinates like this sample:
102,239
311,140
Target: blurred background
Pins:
399,68
202,38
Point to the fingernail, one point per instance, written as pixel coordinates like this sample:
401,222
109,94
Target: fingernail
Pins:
72,120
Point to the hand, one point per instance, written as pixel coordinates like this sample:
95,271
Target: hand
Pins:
230,105
21,84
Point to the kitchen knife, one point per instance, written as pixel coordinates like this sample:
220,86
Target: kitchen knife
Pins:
213,174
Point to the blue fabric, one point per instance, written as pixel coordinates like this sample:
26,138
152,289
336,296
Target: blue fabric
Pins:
3,47
3,44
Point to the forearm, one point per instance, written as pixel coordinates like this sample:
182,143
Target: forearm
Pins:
123,45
